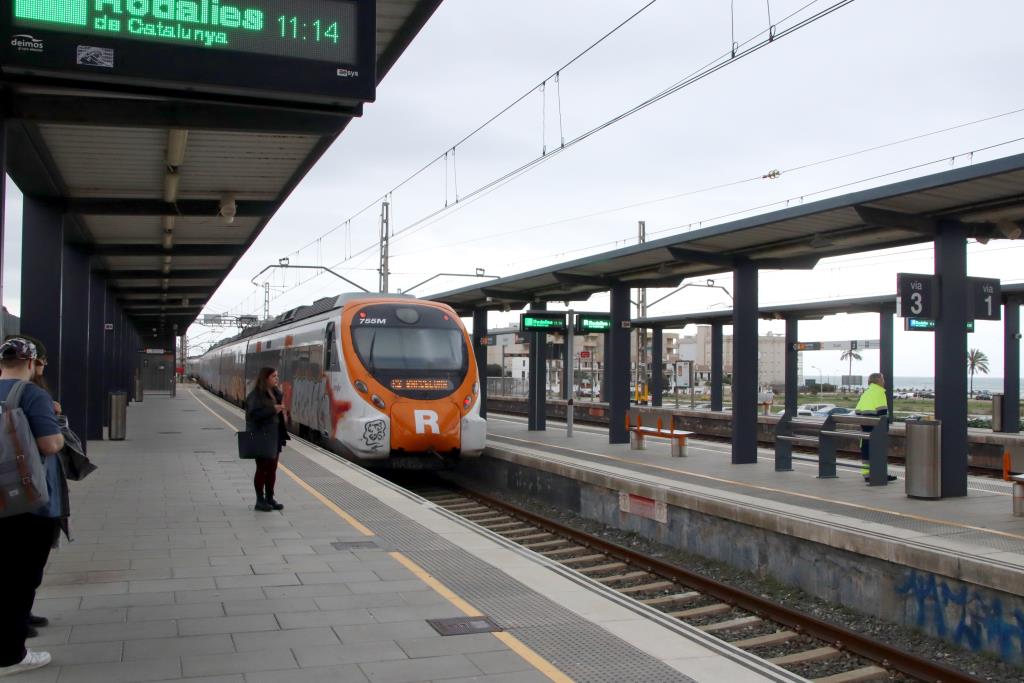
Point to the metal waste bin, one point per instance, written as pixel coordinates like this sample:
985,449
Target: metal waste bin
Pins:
118,415
997,412
174,387
923,454
138,390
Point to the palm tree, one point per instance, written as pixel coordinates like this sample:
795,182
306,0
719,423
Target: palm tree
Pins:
851,356
977,361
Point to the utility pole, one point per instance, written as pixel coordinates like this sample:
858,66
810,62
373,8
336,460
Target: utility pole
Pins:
385,221
641,312
266,300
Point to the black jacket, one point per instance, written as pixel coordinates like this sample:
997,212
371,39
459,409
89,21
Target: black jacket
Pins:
260,414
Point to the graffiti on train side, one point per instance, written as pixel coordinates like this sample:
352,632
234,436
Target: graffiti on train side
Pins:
965,616
309,403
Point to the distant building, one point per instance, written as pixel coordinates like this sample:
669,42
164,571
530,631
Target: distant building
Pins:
509,349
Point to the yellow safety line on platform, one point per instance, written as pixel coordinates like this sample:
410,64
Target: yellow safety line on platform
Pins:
513,643
298,480
769,489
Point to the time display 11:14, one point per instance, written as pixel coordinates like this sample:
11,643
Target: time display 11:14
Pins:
297,29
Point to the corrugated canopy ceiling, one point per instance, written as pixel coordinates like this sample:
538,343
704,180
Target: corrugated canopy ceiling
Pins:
143,180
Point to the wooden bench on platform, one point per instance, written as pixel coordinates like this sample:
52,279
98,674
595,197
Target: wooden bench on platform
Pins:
638,433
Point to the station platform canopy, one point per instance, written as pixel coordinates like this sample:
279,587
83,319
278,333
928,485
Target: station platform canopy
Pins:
814,310
987,197
165,189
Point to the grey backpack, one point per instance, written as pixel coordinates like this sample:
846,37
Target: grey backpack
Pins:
22,474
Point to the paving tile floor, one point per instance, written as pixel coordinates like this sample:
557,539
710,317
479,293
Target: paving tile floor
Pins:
173,576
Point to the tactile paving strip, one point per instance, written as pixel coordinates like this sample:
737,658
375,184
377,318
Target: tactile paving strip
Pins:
553,632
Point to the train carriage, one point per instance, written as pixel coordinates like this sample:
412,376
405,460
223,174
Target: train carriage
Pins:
385,380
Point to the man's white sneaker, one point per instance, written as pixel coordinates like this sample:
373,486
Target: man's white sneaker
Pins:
33,660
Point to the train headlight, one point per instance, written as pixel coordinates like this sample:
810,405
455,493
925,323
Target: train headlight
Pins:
467,402
361,386
476,388
378,401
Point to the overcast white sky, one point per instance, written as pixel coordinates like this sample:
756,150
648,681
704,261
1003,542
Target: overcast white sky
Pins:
871,73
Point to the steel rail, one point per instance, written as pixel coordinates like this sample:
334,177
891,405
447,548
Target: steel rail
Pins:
841,638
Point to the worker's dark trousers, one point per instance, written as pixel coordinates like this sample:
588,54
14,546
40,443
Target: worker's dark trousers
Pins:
26,541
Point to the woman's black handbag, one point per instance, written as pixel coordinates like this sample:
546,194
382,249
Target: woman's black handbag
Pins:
258,444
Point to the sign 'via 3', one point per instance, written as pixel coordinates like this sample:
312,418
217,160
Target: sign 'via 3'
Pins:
917,296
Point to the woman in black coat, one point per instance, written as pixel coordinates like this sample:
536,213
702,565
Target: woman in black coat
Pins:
264,409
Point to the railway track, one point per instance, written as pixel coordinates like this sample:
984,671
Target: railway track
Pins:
801,644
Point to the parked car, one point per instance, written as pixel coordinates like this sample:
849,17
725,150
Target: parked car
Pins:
833,411
903,394
983,395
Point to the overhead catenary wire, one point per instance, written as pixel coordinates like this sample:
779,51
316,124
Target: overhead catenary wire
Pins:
749,47
488,122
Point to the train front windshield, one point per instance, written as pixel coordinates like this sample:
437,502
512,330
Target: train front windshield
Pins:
415,352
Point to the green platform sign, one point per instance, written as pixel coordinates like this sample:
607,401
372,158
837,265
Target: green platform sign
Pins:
542,321
919,325
320,48
593,323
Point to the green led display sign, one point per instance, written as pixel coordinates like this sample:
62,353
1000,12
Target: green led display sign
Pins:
542,321
590,323
308,29
919,325
323,48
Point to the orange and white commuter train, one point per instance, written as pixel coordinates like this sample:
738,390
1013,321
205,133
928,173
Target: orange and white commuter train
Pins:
385,380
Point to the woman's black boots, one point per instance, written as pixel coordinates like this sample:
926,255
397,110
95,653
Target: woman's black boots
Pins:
274,505
262,505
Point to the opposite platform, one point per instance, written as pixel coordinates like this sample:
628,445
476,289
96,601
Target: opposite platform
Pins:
173,576
953,568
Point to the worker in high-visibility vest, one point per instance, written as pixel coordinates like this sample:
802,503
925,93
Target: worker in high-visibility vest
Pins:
872,402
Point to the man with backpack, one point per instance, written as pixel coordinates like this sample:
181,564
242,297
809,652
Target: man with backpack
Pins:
29,505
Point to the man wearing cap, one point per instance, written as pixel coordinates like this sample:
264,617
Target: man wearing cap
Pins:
27,538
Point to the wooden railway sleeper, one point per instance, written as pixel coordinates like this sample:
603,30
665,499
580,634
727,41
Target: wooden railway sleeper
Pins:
583,559
705,611
545,544
672,599
628,576
553,554
508,526
816,655
646,588
528,537
739,622
777,638
862,675
597,569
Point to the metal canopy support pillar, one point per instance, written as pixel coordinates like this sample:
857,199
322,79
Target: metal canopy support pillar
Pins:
538,398
657,372
1011,366
951,355
97,357
109,353
617,365
792,357
74,338
717,351
480,353
41,267
885,349
744,365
